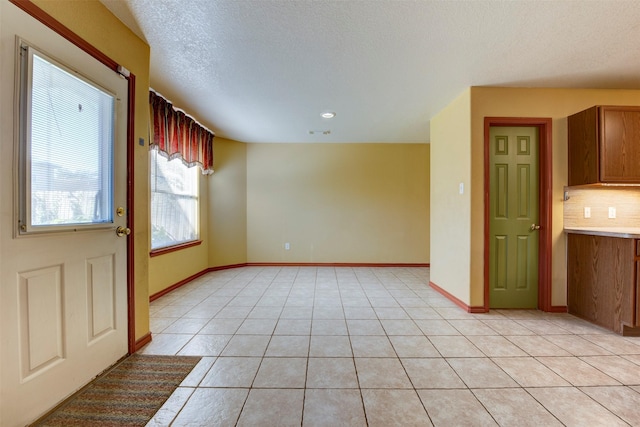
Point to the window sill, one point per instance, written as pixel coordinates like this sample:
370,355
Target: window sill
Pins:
174,248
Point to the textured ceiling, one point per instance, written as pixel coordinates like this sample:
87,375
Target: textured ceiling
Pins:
263,71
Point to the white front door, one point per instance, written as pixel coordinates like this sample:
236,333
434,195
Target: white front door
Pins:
63,289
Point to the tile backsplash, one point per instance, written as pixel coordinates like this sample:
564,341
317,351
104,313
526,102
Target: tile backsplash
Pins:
625,201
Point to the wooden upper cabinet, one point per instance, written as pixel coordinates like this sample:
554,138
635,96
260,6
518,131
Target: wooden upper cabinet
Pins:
604,145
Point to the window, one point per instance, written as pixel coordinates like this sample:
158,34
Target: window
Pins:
67,137
174,201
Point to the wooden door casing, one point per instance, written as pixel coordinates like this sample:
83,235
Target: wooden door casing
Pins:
545,126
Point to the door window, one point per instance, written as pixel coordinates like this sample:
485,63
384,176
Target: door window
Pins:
66,148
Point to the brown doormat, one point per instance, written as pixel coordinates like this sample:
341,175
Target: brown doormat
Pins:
127,395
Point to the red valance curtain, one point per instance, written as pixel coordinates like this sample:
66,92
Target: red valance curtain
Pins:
176,135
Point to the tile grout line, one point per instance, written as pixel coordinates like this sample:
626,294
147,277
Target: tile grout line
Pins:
355,367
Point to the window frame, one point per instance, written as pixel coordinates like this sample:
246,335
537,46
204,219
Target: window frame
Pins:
24,83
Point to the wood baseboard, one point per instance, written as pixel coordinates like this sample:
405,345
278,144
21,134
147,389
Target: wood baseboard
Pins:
192,277
557,309
630,331
482,309
225,267
146,339
458,302
177,285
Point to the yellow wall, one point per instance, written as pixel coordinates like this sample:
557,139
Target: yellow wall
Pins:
338,203
227,200
95,24
450,210
510,102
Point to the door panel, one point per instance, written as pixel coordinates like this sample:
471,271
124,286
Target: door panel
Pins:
101,290
63,295
501,260
40,293
523,256
513,248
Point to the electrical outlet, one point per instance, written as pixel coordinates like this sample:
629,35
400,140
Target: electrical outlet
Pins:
612,212
287,246
587,212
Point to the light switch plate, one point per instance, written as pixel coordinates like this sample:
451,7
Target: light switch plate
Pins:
587,212
612,212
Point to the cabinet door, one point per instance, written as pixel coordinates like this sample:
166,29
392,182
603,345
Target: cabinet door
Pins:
583,147
620,144
637,312
601,280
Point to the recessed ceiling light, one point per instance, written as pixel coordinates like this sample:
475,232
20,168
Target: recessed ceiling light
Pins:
328,115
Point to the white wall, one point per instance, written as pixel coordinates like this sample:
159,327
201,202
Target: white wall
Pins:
450,210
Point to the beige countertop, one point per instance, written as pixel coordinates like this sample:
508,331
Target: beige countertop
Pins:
623,232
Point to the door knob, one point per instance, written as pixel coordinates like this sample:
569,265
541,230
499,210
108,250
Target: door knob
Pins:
534,227
123,231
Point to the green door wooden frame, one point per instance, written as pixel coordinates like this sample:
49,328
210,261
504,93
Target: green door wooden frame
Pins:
544,126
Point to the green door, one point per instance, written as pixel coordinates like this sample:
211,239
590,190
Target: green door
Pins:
513,246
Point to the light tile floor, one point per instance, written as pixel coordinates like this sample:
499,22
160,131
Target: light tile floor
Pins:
379,347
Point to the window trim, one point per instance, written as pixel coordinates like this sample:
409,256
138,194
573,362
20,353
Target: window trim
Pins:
174,248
